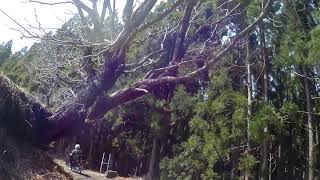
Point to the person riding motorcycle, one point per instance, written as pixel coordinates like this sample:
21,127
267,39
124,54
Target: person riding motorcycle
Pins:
75,156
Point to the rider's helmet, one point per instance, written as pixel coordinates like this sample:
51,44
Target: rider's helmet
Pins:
77,146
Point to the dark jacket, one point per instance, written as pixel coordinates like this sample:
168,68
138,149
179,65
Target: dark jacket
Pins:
76,154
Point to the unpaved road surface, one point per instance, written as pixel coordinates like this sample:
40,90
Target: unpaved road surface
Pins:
87,174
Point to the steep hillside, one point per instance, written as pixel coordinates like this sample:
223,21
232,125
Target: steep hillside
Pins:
19,160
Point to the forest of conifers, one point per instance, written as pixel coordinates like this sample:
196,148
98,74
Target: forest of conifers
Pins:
176,89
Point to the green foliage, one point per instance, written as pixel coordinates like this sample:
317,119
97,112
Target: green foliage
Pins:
221,79
293,49
267,116
14,66
314,46
247,162
193,153
15,69
5,51
215,127
254,9
182,106
289,108
204,132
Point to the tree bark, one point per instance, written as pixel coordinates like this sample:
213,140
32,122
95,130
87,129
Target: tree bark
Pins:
154,167
264,154
247,174
264,165
310,170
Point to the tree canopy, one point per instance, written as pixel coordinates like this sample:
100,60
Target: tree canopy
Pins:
177,89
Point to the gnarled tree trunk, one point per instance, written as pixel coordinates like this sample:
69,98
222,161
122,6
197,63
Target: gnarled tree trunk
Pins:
93,102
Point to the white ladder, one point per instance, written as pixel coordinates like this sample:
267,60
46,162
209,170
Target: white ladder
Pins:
105,163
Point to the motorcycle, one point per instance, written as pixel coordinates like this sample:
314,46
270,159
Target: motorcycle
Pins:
76,164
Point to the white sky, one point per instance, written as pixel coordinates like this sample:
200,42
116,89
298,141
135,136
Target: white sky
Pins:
24,13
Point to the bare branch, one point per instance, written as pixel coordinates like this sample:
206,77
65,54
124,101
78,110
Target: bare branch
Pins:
142,11
81,5
162,16
55,3
20,25
104,104
228,14
82,17
127,12
106,4
143,61
179,46
130,30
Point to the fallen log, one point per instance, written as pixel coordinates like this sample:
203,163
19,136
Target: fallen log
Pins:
22,115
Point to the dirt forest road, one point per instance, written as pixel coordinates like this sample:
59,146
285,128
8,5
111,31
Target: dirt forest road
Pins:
87,174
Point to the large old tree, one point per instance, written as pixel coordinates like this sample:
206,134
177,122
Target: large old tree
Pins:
101,91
